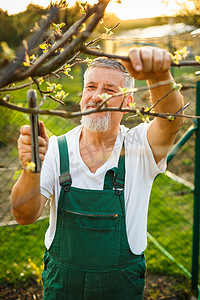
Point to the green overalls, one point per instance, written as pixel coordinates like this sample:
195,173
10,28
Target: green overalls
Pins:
90,258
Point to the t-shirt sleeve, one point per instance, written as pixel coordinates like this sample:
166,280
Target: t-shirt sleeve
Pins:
47,179
138,145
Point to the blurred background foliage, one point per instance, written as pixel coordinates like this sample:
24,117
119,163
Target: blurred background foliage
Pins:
18,26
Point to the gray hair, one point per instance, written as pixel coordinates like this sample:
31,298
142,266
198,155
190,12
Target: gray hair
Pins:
102,62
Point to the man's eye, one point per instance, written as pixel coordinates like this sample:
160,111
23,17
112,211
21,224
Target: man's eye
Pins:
109,91
91,87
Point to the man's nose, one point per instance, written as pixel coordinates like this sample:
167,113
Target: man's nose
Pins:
96,96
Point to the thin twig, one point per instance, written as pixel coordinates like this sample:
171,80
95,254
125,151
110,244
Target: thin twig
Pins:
182,109
42,102
79,52
102,35
126,58
161,99
38,87
55,99
10,89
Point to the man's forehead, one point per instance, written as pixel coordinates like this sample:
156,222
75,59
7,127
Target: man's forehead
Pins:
104,83
108,76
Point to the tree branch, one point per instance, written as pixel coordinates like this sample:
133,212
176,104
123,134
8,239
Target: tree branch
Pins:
57,61
70,115
13,71
42,67
73,30
126,58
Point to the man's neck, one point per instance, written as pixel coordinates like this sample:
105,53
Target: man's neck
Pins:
97,139
96,147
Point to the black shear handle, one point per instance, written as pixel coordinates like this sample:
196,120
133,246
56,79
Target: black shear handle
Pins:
35,130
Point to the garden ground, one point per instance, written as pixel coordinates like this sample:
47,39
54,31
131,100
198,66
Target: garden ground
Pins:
157,287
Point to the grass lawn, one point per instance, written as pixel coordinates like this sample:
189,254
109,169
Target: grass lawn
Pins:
21,252
170,224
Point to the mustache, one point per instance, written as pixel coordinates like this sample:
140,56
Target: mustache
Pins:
93,104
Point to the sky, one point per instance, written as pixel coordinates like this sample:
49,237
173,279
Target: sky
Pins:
128,9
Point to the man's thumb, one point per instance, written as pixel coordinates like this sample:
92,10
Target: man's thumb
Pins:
43,133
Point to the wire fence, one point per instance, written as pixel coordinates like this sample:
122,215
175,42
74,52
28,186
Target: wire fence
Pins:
171,206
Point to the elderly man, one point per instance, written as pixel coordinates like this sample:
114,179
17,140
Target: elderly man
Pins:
100,176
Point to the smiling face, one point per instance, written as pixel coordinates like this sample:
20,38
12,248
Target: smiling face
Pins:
101,80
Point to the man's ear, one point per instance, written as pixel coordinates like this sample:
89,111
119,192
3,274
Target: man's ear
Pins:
129,101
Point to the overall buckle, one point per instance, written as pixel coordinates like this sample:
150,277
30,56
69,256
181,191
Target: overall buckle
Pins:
118,187
65,181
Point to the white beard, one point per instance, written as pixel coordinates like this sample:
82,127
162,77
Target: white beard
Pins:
95,123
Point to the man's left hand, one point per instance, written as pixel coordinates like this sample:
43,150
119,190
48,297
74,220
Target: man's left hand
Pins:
149,63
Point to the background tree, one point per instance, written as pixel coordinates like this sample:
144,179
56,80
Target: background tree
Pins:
189,12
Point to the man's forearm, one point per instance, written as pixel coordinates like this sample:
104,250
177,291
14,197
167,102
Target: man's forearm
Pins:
26,198
172,103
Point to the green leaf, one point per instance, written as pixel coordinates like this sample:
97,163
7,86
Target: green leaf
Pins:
67,70
57,26
132,104
17,174
26,64
179,55
83,6
62,24
35,28
123,90
58,86
7,52
144,118
41,80
171,118
197,58
30,166
61,95
43,46
108,31
33,58
104,96
184,52
176,86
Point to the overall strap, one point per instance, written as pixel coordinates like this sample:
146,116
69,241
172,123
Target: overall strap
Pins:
119,179
65,177
115,177
120,176
109,179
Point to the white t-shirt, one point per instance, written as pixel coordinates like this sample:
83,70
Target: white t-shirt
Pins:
141,170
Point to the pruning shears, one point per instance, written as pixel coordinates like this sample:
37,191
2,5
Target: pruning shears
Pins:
35,130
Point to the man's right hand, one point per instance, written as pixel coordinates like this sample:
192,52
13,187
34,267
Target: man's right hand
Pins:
24,144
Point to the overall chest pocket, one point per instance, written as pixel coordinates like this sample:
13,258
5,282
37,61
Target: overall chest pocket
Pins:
90,240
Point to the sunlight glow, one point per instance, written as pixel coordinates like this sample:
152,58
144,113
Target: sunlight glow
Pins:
128,9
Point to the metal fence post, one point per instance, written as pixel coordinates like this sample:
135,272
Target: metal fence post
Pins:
196,212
